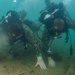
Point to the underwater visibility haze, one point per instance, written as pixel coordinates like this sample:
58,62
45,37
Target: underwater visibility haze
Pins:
23,62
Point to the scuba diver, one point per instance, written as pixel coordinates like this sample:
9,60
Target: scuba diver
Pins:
14,27
12,23
56,22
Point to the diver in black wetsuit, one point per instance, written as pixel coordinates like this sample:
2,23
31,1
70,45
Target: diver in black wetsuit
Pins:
56,22
14,27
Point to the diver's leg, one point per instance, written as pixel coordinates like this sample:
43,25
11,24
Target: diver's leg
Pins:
46,48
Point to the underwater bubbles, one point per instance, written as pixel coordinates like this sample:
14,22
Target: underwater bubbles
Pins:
15,1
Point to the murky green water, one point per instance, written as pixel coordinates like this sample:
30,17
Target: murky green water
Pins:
24,65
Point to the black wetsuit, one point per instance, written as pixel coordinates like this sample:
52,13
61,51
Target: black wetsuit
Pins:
47,17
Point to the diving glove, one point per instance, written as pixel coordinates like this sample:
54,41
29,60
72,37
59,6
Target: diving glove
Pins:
40,62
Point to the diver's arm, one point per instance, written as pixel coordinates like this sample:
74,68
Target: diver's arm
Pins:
46,47
70,23
45,41
32,25
32,39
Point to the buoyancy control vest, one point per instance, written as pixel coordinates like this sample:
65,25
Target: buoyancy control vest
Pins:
12,25
47,17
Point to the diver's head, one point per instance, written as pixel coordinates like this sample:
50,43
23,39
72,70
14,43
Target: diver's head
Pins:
22,14
58,24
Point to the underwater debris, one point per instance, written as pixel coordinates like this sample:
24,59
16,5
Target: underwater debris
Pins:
70,70
7,69
31,71
21,74
4,66
66,68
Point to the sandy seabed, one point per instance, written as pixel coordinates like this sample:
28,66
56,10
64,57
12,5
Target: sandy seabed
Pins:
25,65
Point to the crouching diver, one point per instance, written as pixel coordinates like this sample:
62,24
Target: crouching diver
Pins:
56,23
16,30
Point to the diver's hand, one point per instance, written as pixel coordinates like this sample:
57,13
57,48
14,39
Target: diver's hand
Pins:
40,63
51,62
